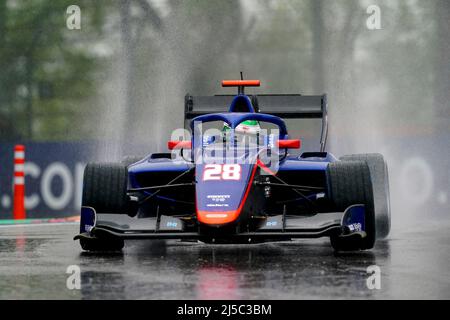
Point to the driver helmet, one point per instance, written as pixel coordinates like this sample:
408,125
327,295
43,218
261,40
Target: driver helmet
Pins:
248,127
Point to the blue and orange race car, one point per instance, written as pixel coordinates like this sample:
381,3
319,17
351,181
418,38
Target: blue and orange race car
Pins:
232,179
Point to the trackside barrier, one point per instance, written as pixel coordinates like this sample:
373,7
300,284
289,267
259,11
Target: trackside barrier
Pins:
54,175
19,183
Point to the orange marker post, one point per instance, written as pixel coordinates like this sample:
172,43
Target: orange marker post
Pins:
19,182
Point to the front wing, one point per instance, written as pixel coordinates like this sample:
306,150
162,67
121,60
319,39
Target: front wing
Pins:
279,227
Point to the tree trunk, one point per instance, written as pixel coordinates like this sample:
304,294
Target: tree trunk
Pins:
128,63
29,100
442,63
318,51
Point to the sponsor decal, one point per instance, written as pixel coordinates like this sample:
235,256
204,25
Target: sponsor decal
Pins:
218,197
217,205
355,227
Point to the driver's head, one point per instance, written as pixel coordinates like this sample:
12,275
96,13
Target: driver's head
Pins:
248,127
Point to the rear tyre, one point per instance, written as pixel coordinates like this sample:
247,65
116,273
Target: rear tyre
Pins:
349,183
380,180
105,187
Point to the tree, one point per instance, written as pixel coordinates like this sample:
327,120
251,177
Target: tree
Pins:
318,35
45,75
442,61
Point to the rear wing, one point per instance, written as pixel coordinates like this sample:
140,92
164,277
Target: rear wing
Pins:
286,106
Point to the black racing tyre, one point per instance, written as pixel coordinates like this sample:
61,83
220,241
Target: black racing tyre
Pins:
105,187
349,183
129,160
380,181
102,244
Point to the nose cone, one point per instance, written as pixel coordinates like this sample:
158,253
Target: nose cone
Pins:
221,191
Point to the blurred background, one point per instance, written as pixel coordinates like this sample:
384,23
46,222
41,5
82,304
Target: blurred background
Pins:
115,86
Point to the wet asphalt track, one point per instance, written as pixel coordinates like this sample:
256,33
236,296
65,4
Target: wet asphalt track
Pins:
34,259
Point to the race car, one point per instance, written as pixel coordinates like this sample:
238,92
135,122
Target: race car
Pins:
236,180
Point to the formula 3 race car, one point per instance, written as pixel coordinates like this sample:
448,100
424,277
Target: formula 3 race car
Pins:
234,181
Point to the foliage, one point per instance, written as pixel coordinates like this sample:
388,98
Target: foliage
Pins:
131,58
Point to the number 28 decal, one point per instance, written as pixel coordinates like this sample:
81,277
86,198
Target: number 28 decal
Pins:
222,172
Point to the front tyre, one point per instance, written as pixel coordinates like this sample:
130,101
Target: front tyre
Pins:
380,180
105,190
349,183
105,187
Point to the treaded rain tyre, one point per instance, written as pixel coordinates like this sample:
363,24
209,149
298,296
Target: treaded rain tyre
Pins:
380,180
105,187
349,183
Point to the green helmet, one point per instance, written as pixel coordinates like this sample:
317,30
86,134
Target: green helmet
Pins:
248,126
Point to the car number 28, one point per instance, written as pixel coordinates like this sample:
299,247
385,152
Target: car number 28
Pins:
222,172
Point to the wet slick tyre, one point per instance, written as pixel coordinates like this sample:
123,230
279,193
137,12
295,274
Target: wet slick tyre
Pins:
380,181
105,187
349,183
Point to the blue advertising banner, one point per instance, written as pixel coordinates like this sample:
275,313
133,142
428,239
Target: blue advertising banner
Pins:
419,170
53,178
